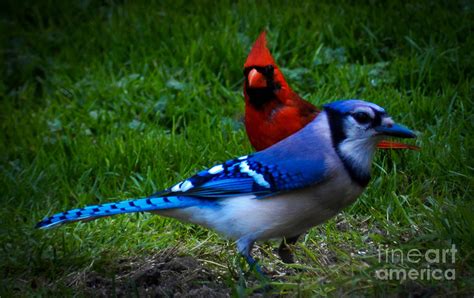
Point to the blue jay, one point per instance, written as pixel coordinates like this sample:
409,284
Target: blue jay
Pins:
280,192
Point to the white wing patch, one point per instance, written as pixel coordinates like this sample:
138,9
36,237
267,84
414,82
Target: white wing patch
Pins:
182,186
216,169
244,168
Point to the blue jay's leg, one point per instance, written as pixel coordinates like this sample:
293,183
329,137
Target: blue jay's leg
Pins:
284,251
244,246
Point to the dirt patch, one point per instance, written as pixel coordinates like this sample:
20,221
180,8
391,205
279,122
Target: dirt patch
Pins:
163,275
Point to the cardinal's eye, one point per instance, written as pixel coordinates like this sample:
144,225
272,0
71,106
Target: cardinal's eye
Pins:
268,69
361,117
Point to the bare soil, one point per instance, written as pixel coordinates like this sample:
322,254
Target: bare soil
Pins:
163,275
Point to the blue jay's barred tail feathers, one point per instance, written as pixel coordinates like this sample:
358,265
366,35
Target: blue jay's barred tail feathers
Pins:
128,206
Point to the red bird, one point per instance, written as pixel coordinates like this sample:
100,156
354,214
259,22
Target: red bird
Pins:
273,111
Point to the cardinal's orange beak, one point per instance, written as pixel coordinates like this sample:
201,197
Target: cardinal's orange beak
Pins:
256,79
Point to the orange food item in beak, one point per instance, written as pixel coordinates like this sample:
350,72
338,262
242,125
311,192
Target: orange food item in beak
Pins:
256,79
385,144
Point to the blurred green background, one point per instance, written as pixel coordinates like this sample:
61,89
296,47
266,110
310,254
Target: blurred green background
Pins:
105,100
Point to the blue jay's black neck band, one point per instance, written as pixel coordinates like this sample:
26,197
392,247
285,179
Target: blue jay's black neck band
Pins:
360,177
336,126
335,119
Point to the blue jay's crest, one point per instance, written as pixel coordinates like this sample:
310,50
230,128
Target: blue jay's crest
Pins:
345,106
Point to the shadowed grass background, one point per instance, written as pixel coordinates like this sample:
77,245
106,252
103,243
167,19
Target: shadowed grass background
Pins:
106,100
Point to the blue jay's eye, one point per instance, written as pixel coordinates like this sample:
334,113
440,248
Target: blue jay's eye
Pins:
361,117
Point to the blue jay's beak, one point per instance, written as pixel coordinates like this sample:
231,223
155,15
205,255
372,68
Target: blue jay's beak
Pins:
395,130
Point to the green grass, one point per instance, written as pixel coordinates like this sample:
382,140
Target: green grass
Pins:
110,100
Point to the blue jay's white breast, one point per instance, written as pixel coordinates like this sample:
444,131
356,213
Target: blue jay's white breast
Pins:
285,214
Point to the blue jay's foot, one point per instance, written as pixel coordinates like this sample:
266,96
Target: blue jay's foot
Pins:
285,251
254,265
244,246
261,275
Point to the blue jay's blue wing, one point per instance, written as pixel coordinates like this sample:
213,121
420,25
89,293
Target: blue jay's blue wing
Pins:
249,175
259,175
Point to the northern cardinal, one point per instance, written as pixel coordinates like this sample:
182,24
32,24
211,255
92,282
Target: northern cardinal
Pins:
273,111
